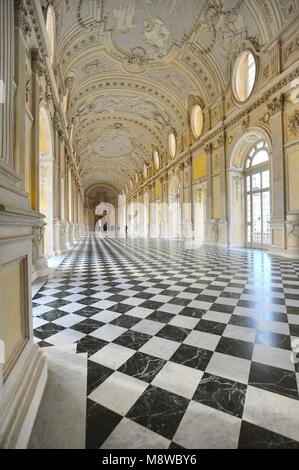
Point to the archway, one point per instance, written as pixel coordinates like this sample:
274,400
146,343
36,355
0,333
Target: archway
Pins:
105,214
174,199
250,191
46,178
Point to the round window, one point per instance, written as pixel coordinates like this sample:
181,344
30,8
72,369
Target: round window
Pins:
156,159
172,144
196,121
244,76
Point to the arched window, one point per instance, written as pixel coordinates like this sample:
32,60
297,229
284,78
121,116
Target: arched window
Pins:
244,76
50,27
258,208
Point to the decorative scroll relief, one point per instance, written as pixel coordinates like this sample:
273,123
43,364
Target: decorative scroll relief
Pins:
218,25
113,143
96,65
122,105
293,124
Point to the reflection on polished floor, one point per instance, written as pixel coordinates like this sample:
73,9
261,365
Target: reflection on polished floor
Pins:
187,347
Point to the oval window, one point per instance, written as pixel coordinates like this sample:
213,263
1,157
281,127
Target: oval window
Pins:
156,159
172,144
244,75
144,171
196,121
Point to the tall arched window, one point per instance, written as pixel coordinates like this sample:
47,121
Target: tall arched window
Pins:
258,208
50,27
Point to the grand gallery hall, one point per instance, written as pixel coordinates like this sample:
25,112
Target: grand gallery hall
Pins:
149,224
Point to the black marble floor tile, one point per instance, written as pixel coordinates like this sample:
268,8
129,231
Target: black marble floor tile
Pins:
240,320
132,339
179,301
273,316
193,312
44,344
88,301
292,310
162,317
142,366
222,394
53,315
294,330
192,357
273,379
117,298
87,326
125,321
90,345
152,304
49,329
121,308
143,295
159,411
96,374
57,303
88,311
211,327
174,333
255,437
276,340
100,422
222,308
235,347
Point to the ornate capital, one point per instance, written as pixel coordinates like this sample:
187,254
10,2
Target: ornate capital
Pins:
276,105
245,124
208,148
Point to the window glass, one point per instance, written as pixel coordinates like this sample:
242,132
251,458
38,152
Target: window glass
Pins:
260,157
244,75
256,182
266,179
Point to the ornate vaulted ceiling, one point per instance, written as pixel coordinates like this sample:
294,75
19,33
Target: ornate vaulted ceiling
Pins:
130,66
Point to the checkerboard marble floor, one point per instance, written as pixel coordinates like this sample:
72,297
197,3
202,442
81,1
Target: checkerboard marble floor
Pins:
187,348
